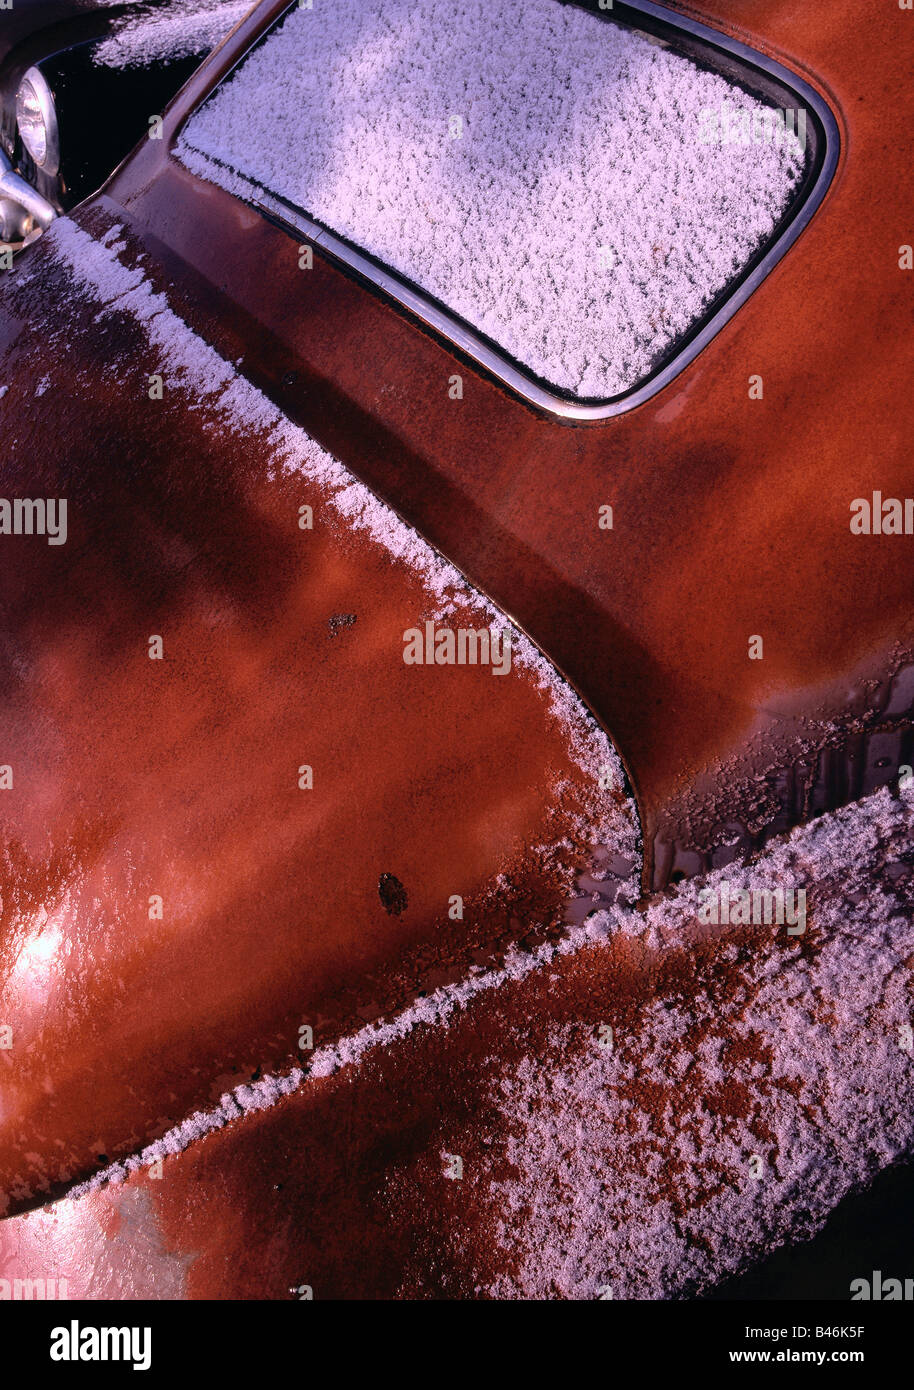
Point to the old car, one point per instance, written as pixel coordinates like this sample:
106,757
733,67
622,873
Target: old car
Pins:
410,320
78,83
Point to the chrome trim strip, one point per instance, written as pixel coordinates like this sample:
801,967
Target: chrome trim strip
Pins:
14,187
512,375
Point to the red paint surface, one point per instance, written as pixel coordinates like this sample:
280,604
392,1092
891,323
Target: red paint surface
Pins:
179,778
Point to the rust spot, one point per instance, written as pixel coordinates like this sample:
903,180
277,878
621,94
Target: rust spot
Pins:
392,894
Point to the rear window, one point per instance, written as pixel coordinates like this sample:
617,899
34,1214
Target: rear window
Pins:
574,193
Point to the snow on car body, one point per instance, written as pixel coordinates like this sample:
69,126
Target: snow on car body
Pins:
749,652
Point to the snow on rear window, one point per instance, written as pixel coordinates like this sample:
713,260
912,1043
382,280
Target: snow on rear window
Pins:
552,178
168,31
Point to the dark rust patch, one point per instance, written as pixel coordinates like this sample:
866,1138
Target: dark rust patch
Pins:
392,894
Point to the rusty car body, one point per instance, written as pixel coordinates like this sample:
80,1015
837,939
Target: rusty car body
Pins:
731,521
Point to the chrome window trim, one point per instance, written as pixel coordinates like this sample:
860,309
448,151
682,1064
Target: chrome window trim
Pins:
505,369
